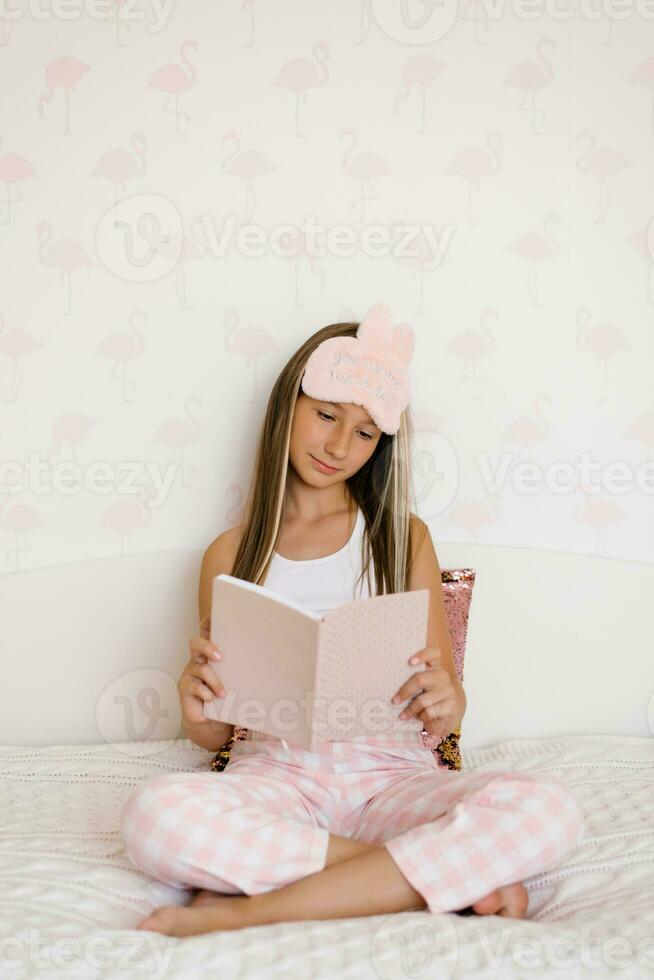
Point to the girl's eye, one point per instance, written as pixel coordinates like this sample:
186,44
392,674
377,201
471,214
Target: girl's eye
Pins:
324,415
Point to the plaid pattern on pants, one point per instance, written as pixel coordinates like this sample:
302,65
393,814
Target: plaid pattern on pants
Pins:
265,821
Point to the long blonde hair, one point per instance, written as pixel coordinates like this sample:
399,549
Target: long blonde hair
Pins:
381,488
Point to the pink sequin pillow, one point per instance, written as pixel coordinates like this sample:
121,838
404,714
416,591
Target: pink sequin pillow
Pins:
458,584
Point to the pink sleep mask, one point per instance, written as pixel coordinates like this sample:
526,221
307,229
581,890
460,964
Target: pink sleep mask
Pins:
371,369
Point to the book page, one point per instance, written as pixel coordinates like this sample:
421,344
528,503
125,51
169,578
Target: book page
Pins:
269,646
364,648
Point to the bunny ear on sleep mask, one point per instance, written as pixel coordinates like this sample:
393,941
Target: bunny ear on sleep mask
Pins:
371,369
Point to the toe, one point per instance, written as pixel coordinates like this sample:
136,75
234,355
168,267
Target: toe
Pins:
489,904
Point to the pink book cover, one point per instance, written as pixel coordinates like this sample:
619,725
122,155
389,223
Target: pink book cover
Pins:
311,677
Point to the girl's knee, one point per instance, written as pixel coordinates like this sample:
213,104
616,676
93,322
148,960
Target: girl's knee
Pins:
560,803
144,807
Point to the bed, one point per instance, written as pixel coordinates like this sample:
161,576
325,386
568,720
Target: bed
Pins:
71,899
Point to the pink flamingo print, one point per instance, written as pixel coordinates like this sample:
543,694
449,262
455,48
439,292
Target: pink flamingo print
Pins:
174,80
472,515
365,167
599,513
184,249
65,72
603,340
421,72
420,262
245,5
178,434
644,75
299,75
65,255
236,511
426,461
123,347
71,428
7,23
473,162
478,16
604,163
15,344
302,254
363,26
529,77
13,168
246,164
19,520
125,516
470,345
252,342
425,420
639,241
527,432
642,429
535,247
119,166
113,17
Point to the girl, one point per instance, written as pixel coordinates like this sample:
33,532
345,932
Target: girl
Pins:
367,825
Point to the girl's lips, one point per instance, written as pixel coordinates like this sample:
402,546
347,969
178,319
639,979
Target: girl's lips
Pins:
324,467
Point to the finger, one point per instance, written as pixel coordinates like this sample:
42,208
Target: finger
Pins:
437,715
430,655
200,690
209,676
417,682
417,705
427,706
202,649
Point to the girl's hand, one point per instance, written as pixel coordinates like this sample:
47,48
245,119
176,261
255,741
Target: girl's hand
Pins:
435,701
199,682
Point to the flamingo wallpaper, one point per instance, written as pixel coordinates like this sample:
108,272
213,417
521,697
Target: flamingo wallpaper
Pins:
188,190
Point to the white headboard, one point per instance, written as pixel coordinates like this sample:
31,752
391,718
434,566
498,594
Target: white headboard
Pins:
92,651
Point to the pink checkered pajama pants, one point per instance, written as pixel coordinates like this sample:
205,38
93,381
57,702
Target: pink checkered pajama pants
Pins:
265,820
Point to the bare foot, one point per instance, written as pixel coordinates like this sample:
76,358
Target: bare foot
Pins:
212,912
510,901
205,897
221,912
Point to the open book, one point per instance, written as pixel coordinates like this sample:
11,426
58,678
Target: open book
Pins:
310,677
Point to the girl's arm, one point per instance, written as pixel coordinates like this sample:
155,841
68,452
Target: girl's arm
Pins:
217,559
425,573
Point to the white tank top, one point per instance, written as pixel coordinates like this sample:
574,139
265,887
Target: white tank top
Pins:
320,584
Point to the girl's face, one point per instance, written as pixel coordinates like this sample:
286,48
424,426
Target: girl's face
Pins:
341,435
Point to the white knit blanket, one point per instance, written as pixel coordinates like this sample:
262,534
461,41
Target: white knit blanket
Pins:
70,898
